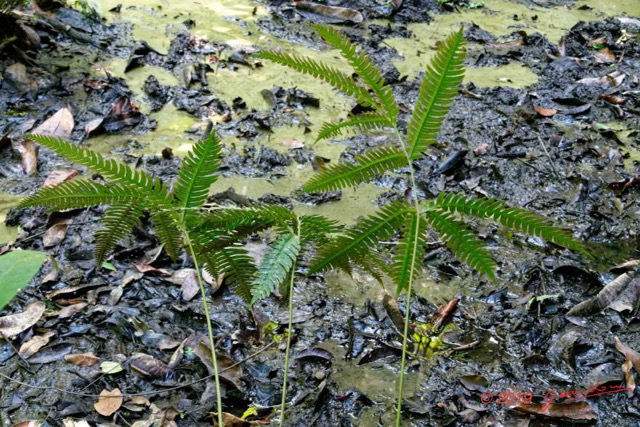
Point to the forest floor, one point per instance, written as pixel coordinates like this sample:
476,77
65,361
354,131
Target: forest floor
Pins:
566,147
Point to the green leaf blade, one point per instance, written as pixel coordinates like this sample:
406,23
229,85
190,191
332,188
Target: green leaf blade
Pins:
406,263
277,264
17,268
117,222
362,122
367,166
438,88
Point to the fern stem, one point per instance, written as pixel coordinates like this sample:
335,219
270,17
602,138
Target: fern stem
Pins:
287,353
407,310
209,326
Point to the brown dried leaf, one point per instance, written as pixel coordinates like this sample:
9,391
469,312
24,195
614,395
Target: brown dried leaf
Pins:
332,14
604,56
12,325
146,268
571,411
31,347
231,420
109,402
148,365
481,149
188,282
29,423
84,359
613,99
60,124
70,422
545,112
29,156
629,380
59,176
56,233
70,310
629,354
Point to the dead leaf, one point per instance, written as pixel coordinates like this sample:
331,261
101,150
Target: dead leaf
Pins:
17,75
613,99
629,353
52,353
60,124
481,149
231,420
148,365
188,282
604,56
31,347
331,14
29,156
92,127
109,402
29,423
70,422
146,268
12,325
84,359
606,296
293,143
56,233
59,176
571,411
629,380
545,112
159,418
70,310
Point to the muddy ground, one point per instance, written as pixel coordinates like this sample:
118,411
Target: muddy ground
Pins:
566,147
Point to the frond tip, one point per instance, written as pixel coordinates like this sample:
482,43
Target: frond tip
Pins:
277,264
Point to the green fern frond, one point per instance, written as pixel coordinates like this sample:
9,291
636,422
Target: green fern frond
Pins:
260,217
198,173
276,265
359,240
109,169
517,219
117,222
339,80
316,229
362,123
438,88
235,264
462,241
80,193
406,259
167,226
364,67
367,166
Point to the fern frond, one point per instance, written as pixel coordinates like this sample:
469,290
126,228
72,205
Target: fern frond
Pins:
235,264
166,224
367,166
81,193
316,229
276,265
517,219
109,169
117,222
364,67
437,90
339,80
198,173
260,217
362,122
406,259
359,240
462,241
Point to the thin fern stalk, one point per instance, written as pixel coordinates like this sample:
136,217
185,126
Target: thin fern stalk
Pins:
205,306
407,309
287,353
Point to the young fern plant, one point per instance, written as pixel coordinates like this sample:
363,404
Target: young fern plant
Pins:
409,219
130,193
296,235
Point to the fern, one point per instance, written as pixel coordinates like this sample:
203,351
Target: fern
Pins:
517,219
117,222
365,68
315,230
359,240
437,90
198,173
361,123
80,193
406,265
275,267
109,169
462,241
339,80
366,167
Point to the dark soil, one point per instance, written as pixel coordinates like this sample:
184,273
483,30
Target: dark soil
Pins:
574,167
